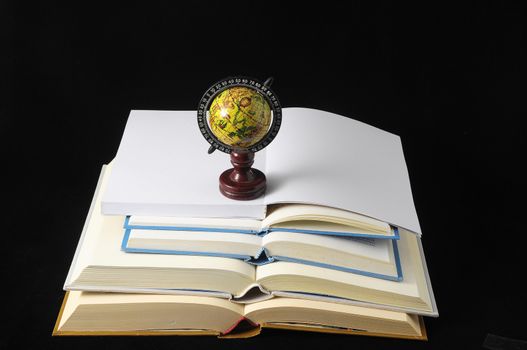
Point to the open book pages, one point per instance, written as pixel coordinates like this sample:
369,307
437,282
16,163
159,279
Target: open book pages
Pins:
318,158
369,257
104,313
100,265
303,218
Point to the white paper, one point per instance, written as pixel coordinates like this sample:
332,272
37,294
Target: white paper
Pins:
323,158
162,169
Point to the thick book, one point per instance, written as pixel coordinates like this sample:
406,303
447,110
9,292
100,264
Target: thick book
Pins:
318,159
240,239
99,265
85,313
363,256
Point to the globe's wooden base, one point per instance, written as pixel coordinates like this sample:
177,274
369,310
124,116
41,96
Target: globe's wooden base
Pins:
242,182
242,191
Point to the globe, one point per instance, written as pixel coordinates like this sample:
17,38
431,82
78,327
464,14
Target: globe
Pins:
239,117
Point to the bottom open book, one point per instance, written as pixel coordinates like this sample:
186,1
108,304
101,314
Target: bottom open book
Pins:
90,313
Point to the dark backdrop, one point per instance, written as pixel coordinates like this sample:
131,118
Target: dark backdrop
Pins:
449,79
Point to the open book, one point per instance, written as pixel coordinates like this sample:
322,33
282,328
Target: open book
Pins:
320,159
369,257
240,239
85,313
111,270
297,218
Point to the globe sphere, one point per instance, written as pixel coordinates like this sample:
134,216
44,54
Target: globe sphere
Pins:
239,117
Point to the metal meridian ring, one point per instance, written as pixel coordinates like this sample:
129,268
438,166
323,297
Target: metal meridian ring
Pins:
225,84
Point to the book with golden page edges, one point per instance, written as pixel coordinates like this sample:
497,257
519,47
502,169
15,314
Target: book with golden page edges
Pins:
243,328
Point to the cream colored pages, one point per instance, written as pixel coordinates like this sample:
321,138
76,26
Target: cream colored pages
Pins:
379,249
320,305
336,315
406,287
412,291
191,241
301,212
107,252
117,311
92,312
91,219
100,245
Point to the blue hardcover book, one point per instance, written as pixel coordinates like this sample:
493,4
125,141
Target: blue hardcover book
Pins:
378,258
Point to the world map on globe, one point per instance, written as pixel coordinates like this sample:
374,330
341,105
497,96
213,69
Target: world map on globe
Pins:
239,117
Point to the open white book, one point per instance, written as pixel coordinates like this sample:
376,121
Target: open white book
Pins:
99,265
341,166
292,217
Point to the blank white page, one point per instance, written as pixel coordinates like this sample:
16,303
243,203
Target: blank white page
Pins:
326,159
162,169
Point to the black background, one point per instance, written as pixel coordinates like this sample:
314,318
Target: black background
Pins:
450,80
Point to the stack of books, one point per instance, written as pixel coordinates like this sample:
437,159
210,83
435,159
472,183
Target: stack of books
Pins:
333,246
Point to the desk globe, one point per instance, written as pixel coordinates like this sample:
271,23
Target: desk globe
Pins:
240,116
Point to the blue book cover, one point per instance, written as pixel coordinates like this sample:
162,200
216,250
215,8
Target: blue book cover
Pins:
261,255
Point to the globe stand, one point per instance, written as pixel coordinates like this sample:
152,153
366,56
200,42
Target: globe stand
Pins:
242,182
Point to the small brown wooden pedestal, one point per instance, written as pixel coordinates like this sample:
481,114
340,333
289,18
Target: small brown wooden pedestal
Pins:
242,182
